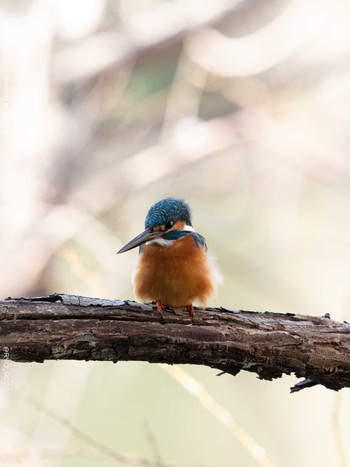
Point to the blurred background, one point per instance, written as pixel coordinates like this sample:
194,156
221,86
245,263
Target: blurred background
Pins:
242,108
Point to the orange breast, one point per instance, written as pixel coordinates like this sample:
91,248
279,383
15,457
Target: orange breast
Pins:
175,275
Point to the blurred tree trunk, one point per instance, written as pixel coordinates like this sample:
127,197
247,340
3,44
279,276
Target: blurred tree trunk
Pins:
59,326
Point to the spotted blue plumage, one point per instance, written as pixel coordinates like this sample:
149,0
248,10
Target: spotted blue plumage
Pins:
167,210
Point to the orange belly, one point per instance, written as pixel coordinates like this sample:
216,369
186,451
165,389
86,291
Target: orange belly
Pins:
175,275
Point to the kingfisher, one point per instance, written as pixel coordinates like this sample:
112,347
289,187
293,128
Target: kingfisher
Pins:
173,268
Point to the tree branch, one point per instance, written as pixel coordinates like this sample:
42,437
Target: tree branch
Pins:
70,327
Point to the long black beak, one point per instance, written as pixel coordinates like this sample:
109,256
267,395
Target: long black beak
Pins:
143,237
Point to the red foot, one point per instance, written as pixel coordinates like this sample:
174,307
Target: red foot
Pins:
159,308
190,310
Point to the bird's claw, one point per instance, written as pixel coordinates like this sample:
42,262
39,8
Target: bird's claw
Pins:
190,310
160,308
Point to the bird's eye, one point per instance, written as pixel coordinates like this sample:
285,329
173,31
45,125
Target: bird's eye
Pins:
169,225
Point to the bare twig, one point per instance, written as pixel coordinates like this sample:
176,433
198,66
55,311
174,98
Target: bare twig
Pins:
220,413
157,457
127,458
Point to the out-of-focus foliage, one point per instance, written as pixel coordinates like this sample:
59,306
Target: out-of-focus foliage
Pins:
242,108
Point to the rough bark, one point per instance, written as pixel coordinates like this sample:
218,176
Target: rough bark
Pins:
60,326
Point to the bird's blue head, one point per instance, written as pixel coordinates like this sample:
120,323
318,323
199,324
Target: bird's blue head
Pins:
160,220
167,212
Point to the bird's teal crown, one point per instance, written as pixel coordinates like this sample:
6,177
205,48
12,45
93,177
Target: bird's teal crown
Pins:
168,210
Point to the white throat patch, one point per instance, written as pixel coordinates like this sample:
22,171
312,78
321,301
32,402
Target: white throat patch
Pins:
161,241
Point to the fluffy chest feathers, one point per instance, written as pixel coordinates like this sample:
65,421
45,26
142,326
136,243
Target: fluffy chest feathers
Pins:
176,274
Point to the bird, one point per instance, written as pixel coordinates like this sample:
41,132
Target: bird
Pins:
174,268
